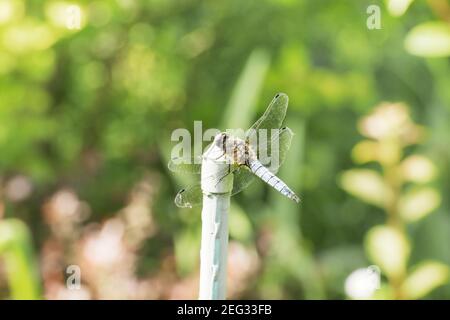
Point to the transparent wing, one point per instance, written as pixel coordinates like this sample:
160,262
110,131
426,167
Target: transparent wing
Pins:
193,195
273,116
278,148
185,165
187,198
243,177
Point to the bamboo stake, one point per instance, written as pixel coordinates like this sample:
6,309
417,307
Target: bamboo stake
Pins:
216,203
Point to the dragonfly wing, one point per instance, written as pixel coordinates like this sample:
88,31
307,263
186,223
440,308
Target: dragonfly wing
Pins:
193,195
185,165
243,177
187,198
273,116
278,148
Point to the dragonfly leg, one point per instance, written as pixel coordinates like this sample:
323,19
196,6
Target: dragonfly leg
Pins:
229,171
219,156
223,177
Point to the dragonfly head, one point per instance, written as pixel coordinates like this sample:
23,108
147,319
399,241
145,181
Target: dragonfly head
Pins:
221,139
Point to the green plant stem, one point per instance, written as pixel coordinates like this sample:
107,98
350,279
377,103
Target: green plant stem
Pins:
394,182
21,267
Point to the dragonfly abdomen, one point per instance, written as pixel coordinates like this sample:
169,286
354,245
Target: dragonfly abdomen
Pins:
272,180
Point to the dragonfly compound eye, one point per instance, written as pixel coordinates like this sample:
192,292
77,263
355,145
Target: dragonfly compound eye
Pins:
219,140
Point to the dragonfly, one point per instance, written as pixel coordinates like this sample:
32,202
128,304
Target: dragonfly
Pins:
244,156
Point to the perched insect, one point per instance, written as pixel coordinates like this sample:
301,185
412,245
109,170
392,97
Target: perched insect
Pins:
244,155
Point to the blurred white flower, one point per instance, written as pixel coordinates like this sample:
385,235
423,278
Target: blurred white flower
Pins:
390,121
105,248
418,168
18,188
362,283
66,202
64,211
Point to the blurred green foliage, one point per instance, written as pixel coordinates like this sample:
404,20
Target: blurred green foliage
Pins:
87,107
21,267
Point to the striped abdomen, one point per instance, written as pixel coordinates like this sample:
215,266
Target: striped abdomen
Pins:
268,177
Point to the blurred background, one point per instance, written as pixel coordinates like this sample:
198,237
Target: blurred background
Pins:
90,92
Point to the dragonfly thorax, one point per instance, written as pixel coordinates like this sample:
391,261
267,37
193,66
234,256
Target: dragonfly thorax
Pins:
236,150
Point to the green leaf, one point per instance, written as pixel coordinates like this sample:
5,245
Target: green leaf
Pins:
20,264
365,151
384,293
430,39
398,7
389,249
418,168
418,203
366,185
239,109
426,277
